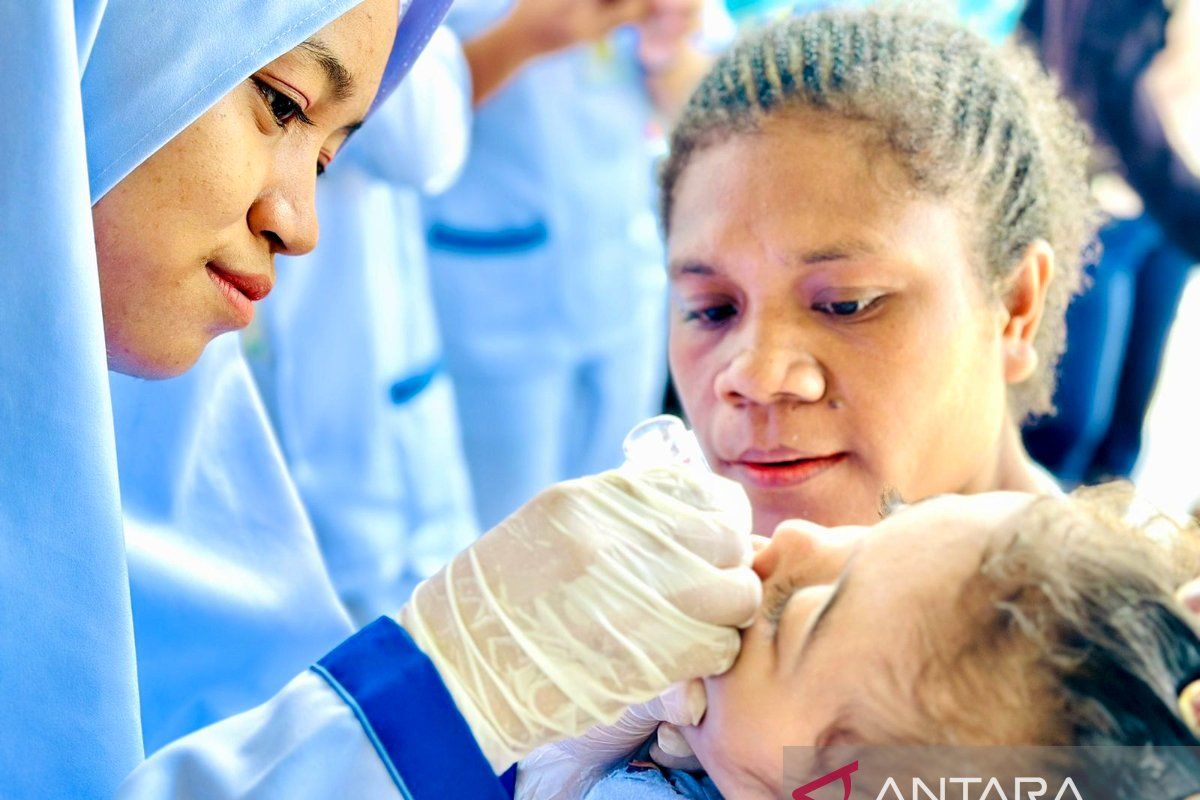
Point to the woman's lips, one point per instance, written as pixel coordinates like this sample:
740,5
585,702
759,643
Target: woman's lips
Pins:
780,473
241,291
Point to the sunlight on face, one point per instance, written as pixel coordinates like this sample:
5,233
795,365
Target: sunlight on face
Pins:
186,243
829,336
840,641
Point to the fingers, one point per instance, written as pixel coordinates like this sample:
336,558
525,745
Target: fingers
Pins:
683,704
672,751
730,597
702,490
717,522
713,541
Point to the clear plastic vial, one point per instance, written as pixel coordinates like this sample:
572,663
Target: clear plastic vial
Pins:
663,441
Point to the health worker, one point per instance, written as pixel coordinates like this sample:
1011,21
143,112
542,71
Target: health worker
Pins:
545,256
159,160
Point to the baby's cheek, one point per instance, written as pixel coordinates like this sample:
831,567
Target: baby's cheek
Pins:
730,736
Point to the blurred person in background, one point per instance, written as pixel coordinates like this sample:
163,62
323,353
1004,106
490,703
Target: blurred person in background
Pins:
1105,54
347,356
545,257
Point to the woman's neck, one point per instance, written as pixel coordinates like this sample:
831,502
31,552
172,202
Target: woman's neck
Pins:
1013,470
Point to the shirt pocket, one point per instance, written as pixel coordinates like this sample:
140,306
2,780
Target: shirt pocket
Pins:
501,241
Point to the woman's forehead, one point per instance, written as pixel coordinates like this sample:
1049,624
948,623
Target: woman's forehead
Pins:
353,49
804,189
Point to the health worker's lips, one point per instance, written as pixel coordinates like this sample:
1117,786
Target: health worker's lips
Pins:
780,468
242,291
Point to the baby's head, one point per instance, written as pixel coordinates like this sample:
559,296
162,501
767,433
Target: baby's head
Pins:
995,619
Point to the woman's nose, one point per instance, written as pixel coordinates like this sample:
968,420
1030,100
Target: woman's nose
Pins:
768,370
285,216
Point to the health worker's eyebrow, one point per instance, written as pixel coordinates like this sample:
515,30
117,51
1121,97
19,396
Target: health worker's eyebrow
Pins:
341,82
678,268
841,251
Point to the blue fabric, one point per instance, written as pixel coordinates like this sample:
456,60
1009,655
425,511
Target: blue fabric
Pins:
406,389
99,86
347,351
230,594
640,779
397,690
68,694
1116,336
1101,51
510,240
547,268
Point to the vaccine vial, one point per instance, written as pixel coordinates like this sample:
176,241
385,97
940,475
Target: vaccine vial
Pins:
663,441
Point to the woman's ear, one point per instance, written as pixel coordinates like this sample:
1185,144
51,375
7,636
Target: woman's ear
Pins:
1024,302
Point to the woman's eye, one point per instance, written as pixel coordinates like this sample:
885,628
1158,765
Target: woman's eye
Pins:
710,316
847,308
283,108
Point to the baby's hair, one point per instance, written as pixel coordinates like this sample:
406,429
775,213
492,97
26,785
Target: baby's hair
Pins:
1073,635
983,126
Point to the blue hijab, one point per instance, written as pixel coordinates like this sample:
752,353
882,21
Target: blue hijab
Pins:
99,86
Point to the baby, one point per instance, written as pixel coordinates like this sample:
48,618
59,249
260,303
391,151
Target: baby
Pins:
993,619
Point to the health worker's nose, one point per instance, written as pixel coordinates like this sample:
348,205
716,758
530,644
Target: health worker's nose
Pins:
769,366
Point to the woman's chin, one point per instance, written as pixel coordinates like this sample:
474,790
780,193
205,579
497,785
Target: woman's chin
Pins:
154,363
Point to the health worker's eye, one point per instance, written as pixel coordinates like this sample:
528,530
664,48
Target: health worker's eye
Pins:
847,308
284,109
712,316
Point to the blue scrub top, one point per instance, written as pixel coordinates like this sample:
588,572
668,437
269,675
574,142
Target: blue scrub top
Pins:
548,242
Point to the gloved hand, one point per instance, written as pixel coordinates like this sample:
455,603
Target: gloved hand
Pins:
598,594
567,770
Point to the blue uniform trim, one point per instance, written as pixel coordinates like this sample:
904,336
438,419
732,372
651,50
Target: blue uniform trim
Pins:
405,389
408,715
509,781
366,724
499,242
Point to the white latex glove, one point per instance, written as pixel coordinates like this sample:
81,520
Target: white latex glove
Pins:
598,594
568,770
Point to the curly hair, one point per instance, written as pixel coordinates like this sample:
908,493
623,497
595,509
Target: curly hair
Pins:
983,126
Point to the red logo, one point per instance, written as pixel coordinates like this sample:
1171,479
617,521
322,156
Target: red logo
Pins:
841,772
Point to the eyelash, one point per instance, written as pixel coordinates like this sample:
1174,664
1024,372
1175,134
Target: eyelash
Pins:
782,595
847,309
292,112
711,317
275,98
714,317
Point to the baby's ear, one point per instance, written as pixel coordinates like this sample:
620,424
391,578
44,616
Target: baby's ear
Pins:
1024,301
